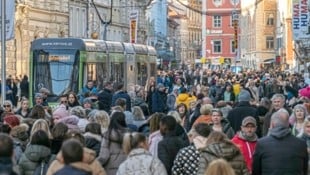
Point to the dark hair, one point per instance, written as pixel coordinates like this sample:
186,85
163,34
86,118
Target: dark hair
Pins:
72,151
119,86
59,131
94,128
120,102
169,122
203,129
37,112
117,124
5,128
75,135
40,137
184,105
132,141
6,145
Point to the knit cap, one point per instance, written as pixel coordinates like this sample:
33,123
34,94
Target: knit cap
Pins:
61,112
305,92
244,95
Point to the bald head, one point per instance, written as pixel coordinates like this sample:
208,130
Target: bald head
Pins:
280,119
206,100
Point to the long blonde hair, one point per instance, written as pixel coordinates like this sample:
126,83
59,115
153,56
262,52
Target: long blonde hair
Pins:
41,124
220,167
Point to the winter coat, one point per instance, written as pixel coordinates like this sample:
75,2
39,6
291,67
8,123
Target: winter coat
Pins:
186,161
56,145
82,124
280,153
6,166
226,128
32,157
122,94
241,111
76,168
89,157
171,101
247,148
154,139
71,121
93,142
20,135
105,97
225,150
159,100
111,153
19,112
168,149
140,161
306,138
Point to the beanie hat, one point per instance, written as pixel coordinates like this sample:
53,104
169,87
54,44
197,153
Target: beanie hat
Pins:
61,112
244,95
11,120
305,92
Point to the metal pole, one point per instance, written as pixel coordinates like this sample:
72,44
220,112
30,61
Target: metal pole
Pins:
204,29
3,60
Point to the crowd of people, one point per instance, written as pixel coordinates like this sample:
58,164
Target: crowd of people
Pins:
179,123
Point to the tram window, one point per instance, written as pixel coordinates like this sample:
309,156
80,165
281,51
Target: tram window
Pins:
97,72
117,72
142,73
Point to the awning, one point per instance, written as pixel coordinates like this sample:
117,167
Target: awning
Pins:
269,61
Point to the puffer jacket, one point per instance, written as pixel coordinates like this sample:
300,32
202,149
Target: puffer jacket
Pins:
89,157
111,153
225,150
32,157
140,161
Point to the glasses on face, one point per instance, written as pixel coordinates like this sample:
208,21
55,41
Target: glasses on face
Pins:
6,106
62,102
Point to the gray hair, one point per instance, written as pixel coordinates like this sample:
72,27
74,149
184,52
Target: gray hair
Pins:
280,118
78,111
276,96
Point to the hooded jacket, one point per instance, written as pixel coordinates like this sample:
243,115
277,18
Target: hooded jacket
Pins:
32,157
93,141
280,153
89,157
247,148
140,161
111,153
225,150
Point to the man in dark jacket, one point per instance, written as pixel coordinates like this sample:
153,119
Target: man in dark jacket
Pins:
280,152
241,111
159,99
171,143
6,153
121,93
105,97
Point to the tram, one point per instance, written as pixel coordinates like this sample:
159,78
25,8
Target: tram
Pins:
66,64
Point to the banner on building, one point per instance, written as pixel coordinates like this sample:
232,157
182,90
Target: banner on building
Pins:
301,23
133,26
9,21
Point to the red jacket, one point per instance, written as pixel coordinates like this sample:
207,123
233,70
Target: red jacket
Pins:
247,149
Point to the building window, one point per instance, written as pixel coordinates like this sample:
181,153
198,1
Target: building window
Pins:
217,46
217,21
269,42
270,20
232,46
217,2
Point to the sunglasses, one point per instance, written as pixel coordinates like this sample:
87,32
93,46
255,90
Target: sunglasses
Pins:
6,106
62,102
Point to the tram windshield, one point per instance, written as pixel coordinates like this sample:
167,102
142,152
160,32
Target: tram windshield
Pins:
56,71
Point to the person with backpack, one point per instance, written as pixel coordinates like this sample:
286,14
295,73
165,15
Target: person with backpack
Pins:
37,156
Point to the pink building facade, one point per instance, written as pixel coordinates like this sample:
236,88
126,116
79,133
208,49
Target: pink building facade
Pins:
222,31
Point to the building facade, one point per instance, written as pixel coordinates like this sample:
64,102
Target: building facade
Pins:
258,35
221,32
70,18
